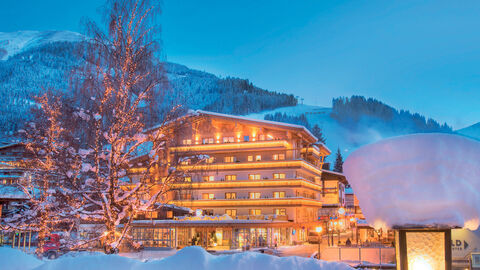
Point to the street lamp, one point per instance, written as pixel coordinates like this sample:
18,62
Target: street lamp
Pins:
319,230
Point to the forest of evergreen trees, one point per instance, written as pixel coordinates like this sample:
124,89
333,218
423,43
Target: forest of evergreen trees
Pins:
290,119
360,110
49,67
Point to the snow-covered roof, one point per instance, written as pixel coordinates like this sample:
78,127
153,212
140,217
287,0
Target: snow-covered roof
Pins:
429,180
11,192
287,125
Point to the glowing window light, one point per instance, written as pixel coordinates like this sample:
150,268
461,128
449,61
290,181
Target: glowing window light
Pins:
420,263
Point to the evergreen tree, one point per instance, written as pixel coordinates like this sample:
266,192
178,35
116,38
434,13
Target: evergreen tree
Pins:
317,132
338,167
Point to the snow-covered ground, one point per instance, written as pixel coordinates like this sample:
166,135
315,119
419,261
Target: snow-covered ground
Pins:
418,180
189,258
12,43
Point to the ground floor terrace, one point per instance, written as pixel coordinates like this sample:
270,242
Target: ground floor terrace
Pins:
219,234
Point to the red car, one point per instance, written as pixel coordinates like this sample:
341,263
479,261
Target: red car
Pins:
51,248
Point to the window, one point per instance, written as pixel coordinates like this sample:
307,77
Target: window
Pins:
187,179
279,157
258,158
207,140
169,214
246,138
255,212
228,139
230,195
232,177
250,158
278,176
254,177
254,195
229,159
261,137
151,215
208,212
187,142
210,160
208,196
185,161
208,178
231,212
280,211
279,194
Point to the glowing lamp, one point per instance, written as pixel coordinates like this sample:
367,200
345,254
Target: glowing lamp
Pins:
319,229
423,249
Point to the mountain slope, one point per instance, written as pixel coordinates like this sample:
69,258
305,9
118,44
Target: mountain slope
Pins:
348,134
472,131
16,42
36,61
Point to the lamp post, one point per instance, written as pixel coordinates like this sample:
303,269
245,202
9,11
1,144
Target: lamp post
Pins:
319,231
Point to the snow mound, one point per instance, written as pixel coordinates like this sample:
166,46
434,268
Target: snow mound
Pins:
197,258
12,43
418,180
188,258
14,259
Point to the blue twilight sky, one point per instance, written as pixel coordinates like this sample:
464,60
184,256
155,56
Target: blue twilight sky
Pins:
418,55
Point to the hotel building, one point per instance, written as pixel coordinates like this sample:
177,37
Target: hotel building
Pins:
250,183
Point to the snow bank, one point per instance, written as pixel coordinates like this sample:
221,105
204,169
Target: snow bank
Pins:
14,259
421,179
188,258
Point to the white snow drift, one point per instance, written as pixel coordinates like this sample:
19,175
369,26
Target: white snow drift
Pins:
188,258
418,180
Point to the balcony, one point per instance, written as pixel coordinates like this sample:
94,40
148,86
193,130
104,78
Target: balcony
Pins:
235,146
299,182
284,202
294,163
271,217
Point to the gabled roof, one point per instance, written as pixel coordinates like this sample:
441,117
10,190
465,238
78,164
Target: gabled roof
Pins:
263,122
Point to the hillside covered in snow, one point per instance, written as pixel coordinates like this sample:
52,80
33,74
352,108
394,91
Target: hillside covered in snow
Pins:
32,62
357,121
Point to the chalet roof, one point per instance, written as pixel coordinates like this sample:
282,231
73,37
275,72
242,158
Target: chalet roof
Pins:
266,122
339,176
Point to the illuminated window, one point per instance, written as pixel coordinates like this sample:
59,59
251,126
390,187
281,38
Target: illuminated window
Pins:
210,160
208,196
254,177
279,194
278,176
231,212
255,212
279,157
261,137
229,159
187,179
207,140
228,139
280,211
208,178
186,161
151,214
230,195
169,214
187,142
250,158
254,195
258,158
232,177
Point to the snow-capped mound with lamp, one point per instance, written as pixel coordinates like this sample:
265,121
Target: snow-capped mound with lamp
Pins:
428,180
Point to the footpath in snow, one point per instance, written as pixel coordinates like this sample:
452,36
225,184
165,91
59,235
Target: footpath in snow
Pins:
189,258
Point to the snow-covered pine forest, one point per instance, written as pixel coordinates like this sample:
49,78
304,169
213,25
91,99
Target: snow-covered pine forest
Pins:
46,65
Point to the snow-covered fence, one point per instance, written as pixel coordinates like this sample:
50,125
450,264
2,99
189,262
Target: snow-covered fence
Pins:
375,255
